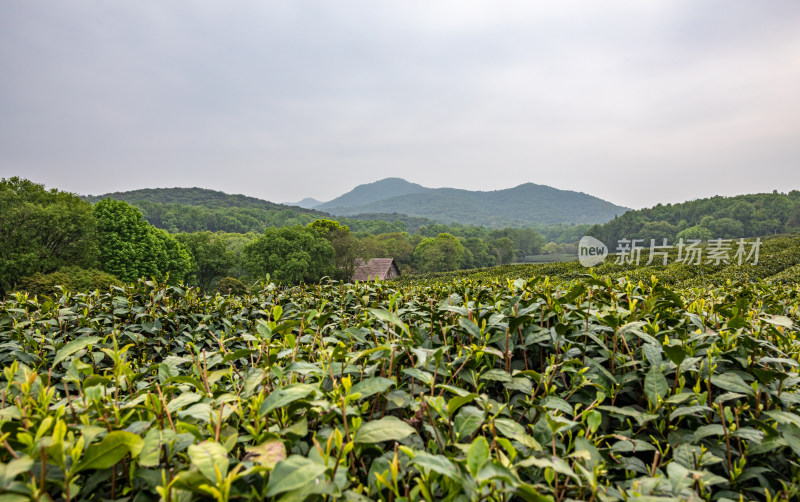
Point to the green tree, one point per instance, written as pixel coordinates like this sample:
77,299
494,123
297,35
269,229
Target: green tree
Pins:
478,253
212,258
131,248
695,232
290,254
440,254
231,286
657,230
502,249
526,240
348,250
550,248
178,261
398,246
374,247
743,211
42,231
726,228
69,278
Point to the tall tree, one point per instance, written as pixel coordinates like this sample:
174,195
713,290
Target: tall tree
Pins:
502,249
131,248
290,254
42,231
479,253
212,258
440,254
348,250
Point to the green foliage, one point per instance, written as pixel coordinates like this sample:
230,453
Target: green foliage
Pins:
476,389
383,223
41,231
503,250
398,245
697,232
716,217
521,206
231,286
131,248
212,258
478,254
198,209
69,278
291,255
348,251
442,253
779,258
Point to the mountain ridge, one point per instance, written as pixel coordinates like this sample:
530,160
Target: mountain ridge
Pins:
191,196
306,203
523,205
373,192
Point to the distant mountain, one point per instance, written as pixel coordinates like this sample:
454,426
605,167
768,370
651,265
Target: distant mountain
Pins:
520,206
307,203
371,193
391,200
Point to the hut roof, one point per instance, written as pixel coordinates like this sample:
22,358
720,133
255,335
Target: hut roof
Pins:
376,267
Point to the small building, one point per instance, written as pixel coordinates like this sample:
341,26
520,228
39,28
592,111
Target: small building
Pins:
376,268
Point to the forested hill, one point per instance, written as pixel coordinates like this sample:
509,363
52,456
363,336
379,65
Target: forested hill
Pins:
190,197
200,209
713,218
522,206
371,193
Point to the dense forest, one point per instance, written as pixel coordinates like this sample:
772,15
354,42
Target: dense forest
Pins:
712,218
48,231
198,209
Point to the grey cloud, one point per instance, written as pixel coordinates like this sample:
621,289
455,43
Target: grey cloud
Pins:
638,103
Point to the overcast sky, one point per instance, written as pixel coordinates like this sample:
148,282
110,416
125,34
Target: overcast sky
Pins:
636,102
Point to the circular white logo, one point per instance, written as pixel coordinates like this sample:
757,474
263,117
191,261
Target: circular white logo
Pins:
591,251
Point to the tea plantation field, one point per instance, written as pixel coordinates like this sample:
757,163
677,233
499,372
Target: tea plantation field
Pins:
779,260
582,387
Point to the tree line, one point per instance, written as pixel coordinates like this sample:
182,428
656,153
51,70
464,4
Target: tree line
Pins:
718,217
51,237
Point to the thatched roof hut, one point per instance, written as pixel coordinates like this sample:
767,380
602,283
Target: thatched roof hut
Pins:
380,268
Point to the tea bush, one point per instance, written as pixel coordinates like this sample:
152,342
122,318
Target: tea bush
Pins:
71,278
474,389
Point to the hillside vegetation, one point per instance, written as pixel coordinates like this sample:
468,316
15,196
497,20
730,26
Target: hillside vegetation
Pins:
778,261
521,206
52,238
199,210
370,193
543,383
475,389
712,218
188,197
54,232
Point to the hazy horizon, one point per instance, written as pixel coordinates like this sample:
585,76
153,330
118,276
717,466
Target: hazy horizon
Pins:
635,103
